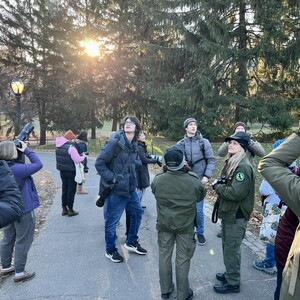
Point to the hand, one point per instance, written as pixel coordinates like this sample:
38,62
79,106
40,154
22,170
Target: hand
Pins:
23,146
204,180
215,182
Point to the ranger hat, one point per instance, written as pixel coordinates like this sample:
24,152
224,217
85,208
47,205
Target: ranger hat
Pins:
241,137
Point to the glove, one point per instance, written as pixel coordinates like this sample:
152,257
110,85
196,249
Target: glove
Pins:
159,163
23,146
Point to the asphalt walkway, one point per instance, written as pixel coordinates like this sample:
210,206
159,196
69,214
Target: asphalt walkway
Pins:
68,257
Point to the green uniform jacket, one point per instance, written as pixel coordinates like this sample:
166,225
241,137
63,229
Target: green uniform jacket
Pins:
274,167
176,195
237,192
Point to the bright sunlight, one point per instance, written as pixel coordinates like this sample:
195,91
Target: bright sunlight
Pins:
91,47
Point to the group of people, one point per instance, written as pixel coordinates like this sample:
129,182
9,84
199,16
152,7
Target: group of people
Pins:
179,190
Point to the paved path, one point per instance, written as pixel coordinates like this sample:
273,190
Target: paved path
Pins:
69,261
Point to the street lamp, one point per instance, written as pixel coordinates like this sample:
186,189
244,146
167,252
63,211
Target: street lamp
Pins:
17,87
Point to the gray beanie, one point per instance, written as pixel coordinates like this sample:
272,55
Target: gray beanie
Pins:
188,121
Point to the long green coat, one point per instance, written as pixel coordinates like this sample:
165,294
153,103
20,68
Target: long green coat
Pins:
274,167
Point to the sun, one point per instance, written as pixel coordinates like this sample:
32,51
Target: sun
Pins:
91,47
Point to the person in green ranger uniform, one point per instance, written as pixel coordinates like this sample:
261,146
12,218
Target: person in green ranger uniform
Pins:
235,190
273,168
176,191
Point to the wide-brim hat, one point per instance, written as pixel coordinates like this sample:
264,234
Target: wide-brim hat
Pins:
241,137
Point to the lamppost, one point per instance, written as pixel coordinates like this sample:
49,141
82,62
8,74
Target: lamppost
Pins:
17,87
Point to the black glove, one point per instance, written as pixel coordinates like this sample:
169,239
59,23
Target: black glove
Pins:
159,163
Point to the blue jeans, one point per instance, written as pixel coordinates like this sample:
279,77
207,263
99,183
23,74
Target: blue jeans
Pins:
200,218
270,256
115,206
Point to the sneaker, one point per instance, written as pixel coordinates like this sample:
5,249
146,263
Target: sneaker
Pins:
8,272
201,240
24,278
261,265
135,247
114,256
219,234
118,225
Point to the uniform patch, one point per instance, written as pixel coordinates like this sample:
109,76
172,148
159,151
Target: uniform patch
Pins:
240,176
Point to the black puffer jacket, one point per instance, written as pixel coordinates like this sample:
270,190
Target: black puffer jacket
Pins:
142,173
11,204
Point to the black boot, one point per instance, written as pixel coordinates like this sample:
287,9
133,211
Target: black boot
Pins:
72,212
64,211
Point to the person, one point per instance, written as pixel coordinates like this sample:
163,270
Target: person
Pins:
200,157
142,173
119,172
177,190
66,157
18,236
273,167
235,189
81,144
254,149
143,177
268,264
283,241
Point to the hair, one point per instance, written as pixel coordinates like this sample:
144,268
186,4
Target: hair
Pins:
137,123
7,150
232,162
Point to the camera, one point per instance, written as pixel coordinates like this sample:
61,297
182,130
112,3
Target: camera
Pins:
157,157
222,180
23,135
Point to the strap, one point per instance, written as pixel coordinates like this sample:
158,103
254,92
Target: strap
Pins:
214,215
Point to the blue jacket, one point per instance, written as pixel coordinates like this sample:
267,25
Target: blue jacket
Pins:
24,171
111,161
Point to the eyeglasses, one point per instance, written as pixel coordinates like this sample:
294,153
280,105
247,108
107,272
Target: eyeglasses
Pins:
129,122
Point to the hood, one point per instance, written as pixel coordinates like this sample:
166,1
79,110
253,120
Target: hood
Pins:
59,141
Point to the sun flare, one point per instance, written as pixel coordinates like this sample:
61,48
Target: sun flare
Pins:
91,47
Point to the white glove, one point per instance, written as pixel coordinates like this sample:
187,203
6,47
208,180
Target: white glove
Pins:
23,146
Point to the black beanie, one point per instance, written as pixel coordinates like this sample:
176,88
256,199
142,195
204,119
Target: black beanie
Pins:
82,136
174,158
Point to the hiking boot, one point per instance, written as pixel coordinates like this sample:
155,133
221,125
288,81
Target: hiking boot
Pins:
114,256
221,277
8,272
135,247
190,295
225,288
201,240
72,212
261,265
219,234
64,211
24,278
167,295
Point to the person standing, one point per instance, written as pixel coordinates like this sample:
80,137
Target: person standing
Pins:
235,189
273,167
176,191
81,144
254,149
200,157
66,157
116,164
18,236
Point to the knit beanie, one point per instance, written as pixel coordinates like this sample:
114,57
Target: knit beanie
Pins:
188,121
82,136
237,124
69,135
174,158
241,137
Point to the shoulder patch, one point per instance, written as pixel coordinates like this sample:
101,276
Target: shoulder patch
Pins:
240,176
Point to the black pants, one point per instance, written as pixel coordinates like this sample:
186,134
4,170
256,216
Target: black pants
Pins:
68,189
